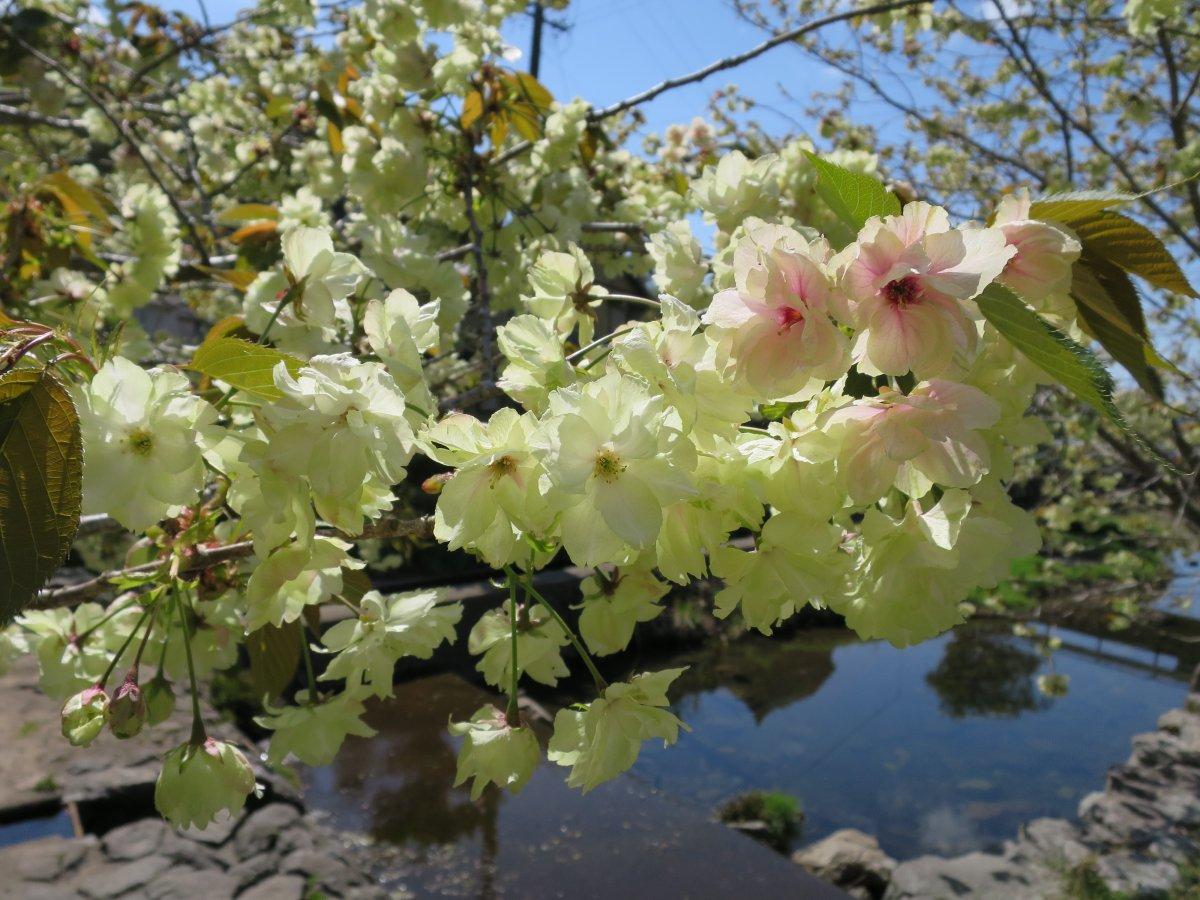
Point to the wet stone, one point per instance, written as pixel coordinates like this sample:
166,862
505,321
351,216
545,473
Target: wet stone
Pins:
105,881
46,859
263,828
253,870
135,840
214,835
322,866
187,884
195,855
25,890
850,859
277,887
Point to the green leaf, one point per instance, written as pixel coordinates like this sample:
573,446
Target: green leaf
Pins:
246,366
355,583
1072,365
1067,362
274,655
1110,311
41,483
1110,236
1075,205
853,196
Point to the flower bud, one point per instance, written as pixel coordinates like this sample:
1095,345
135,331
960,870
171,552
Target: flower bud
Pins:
495,752
199,780
434,483
127,712
83,716
159,698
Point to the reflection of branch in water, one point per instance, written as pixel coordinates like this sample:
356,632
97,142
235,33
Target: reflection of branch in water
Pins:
489,849
407,794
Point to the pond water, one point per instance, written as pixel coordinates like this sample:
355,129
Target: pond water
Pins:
942,748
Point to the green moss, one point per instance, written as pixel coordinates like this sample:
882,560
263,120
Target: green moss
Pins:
780,815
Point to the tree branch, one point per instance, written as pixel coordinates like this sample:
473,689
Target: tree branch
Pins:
731,62
11,115
208,557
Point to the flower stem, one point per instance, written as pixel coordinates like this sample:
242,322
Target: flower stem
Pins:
199,735
632,298
125,646
137,659
512,714
600,683
308,666
598,342
750,429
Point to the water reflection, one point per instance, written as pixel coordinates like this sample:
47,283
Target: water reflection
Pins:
946,747
943,747
985,673
623,838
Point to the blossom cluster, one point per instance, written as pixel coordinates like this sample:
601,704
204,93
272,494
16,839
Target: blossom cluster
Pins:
810,416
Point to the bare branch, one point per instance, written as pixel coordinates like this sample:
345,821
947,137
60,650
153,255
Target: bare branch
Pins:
10,115
731,62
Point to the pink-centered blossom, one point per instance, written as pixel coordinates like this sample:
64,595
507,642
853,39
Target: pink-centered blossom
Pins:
908,278
1044,253
777,317
929,436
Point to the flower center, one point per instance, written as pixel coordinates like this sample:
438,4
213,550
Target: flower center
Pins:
903,291
608,466
503,467
787,316
141,442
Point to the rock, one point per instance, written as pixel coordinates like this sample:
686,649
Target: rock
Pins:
263,827
193,854
295,839
46,859
215,834
1136,875
278,887
1174,848
977,875
849,859
104,881
253,870
1122,820
135,840
321,866
188,884
1182,723
24,890
1161,748
1054,843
